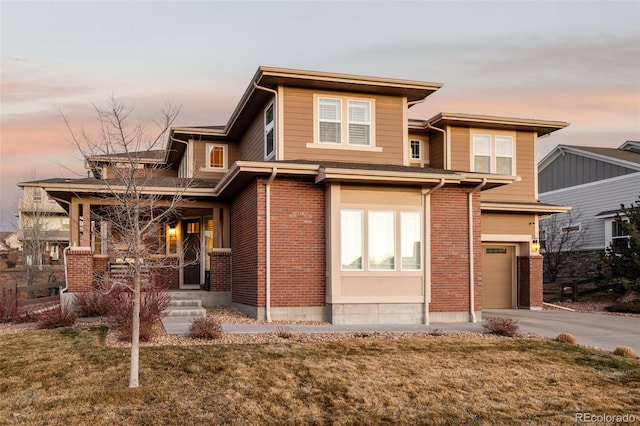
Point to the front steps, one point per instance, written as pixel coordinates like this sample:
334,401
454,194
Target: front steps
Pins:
182,310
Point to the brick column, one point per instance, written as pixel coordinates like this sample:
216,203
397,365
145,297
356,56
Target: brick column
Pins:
220,276
79,269
530,282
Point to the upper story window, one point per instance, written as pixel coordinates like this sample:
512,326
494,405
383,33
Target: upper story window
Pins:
269,141
415,149
493,154
37,195
217,156
344,123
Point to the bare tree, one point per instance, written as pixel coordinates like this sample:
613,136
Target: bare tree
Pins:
40,224
132,214
561,234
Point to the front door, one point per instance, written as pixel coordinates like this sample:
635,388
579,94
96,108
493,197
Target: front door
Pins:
191,252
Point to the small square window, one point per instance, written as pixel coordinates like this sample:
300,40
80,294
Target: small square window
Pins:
217,158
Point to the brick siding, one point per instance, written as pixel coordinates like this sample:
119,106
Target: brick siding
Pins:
530,281
248,257
450,250
297,244
79,270
298,271
220,275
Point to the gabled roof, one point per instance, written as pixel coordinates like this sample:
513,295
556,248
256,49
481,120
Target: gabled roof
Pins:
618,156
541,127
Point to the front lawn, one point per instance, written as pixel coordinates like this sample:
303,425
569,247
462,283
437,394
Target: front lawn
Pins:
68,376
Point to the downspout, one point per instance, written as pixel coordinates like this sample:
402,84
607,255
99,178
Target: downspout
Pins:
426,237
268,245
472,298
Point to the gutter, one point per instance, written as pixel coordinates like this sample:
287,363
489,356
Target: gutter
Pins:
426,237
268,244
471,262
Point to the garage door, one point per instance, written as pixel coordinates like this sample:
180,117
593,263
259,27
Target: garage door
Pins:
497,276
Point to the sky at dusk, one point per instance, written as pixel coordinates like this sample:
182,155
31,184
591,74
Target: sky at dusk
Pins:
571,61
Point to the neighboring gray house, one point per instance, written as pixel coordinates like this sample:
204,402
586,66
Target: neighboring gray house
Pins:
593,181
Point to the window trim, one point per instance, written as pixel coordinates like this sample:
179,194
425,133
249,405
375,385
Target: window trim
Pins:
344,124
493,155
269,127
225,157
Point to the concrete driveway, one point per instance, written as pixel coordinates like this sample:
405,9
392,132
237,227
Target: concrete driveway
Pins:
602,331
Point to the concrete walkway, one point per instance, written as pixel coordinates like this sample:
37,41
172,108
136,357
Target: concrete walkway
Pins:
176,325
602,331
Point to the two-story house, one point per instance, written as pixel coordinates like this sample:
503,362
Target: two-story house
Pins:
320,199
43,226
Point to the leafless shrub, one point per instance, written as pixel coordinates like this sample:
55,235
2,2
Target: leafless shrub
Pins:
284,332
89,304
118,304
501,326
55,317
205,328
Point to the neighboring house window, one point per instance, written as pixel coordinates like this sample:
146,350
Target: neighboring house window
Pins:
572,228
344,123
382,240
415,150
37,195
493,154
619,237
351,239
217,157
269,141
378,231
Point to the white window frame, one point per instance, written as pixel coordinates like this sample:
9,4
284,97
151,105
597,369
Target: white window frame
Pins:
493,151
366,241
269,127
225,157
418,142
344,122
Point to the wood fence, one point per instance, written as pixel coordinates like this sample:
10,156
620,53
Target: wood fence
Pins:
33,294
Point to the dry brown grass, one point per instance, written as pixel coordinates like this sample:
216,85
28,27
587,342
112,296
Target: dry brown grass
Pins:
68,376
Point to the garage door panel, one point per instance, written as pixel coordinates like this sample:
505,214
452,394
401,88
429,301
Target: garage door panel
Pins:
497,276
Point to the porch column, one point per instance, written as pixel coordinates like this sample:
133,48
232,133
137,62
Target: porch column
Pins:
79,269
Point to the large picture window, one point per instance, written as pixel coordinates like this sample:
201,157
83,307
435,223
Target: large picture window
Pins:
387,235
411,240
351,239
382,247
493,154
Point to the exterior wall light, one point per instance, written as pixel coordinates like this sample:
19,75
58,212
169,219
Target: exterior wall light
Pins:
535,246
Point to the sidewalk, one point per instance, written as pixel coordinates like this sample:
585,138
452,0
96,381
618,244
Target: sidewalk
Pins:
175,325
